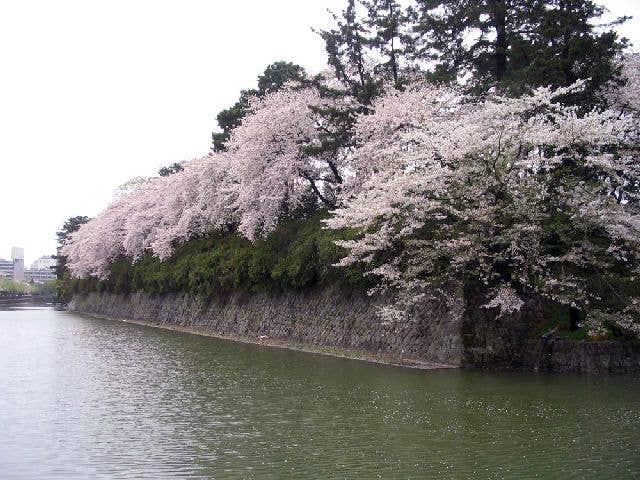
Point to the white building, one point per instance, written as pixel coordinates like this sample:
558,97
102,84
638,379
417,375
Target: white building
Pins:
39,276
42,270
6,269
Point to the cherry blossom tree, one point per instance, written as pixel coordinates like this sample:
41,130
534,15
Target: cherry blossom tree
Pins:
521,195
92,248
264,174
626,96
187,204
153,215
270,161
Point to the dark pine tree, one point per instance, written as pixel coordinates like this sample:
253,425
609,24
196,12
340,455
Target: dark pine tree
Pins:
569,46
384,21
365,47
346,45
516,44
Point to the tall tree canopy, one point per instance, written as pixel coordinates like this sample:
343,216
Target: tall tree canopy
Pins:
366,46
384,21
520,195
516,44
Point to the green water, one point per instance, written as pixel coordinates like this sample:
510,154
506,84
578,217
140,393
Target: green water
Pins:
86,398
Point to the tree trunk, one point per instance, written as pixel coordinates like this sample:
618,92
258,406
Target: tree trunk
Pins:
394,63
567,67
574,319
499,11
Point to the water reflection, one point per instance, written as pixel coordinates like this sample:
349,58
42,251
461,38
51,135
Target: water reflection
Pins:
92,398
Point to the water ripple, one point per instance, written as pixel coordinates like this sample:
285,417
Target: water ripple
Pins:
86,398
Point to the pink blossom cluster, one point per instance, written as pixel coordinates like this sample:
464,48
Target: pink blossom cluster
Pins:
263,175
626,97
154,214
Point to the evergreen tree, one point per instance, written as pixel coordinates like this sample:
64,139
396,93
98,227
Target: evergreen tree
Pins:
276,75
384,20
365,48
567,46
230,118
347,45
515,44
175,167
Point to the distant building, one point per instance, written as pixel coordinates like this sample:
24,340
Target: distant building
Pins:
41,271
17,255
45,262
39,276
6,269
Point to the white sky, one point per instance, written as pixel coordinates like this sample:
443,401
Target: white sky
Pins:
94,92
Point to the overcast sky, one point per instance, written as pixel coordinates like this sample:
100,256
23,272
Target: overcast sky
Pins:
93,92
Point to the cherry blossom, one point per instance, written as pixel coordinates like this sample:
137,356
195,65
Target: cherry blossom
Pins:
264,174
626,96
153,215
268,161
453,188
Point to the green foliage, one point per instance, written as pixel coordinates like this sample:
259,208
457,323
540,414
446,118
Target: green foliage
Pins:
11,287
298,255
230,118
557,318
568,45
175,167
46,290
276,75
71,225
347,44
384,20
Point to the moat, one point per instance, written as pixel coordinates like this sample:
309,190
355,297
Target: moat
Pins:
83,397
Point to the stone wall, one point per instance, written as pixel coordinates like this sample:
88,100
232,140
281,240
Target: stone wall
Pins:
329,318
560,355
468,335
498,342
